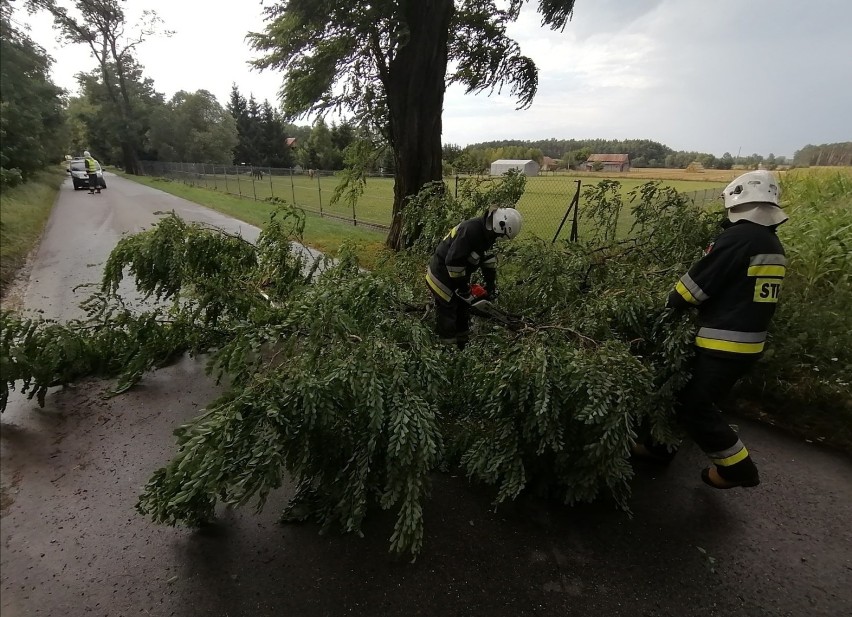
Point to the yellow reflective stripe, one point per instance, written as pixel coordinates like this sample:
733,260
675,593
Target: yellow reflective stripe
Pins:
684,292
716,344
767,271
731,460
452,233
437,289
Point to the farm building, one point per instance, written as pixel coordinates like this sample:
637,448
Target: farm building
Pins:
610,162
528,167
549,164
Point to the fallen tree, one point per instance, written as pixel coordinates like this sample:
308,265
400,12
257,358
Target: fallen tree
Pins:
336,379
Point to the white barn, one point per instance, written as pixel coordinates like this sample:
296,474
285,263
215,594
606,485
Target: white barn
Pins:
528,167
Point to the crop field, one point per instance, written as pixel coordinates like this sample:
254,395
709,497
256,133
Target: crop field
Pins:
543,204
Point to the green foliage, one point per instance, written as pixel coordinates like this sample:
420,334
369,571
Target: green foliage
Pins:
434,211
212,279
194,128
98,123
32,122
101,26
603,209
810,360
336,379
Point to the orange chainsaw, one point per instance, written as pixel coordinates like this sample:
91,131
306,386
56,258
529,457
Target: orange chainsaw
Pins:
480,305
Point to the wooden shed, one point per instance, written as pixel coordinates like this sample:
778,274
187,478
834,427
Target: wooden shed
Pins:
609,162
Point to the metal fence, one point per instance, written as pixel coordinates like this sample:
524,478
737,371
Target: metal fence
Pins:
545,203
310,190
705,197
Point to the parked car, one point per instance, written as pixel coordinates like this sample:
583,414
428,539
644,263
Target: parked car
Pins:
79,176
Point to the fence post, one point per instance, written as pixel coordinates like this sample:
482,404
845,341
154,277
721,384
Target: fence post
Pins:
271,190
457,185
319,191
215,184
292,186
239,186
575,232
225,169
253,187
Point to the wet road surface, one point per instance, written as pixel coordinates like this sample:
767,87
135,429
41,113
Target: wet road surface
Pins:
72,543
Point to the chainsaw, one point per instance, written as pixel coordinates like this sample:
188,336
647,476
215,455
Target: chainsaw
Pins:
482,306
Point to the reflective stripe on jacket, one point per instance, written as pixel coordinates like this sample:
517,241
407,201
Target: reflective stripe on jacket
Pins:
735,286
465,248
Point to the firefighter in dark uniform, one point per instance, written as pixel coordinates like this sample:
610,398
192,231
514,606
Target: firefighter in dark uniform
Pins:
466,248
735,286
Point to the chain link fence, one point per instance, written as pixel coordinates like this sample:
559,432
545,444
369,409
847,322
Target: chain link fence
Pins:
548,203
705,197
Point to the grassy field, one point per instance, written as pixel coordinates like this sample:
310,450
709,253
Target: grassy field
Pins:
24,210
543,204
325,235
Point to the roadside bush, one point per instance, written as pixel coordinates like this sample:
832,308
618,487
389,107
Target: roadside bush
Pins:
10,177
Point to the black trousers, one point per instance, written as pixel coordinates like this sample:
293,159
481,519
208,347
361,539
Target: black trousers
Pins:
698,413
453,320
94,185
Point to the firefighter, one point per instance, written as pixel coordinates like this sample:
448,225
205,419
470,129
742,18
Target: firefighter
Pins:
466,248
92,169
735,286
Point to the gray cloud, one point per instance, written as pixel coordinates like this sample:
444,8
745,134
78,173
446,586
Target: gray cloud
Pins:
761,76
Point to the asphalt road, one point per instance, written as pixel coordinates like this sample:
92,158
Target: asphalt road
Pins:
72,543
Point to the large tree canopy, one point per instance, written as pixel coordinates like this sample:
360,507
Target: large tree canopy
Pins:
194,128
32,122
389,61
100,126
102,26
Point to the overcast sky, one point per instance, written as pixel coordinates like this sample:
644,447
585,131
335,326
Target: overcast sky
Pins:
714,76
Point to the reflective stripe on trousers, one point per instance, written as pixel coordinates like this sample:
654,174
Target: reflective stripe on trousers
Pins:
441,290
729,456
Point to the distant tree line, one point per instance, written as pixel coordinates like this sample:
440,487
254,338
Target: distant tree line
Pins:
826,154
570,153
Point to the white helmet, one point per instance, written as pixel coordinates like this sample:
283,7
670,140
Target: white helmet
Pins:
754,196
86,154
506,223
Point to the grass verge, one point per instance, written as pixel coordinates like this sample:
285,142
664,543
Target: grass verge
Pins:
325,235
24,211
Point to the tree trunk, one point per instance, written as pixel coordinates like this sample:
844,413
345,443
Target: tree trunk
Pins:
129,142
414,83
